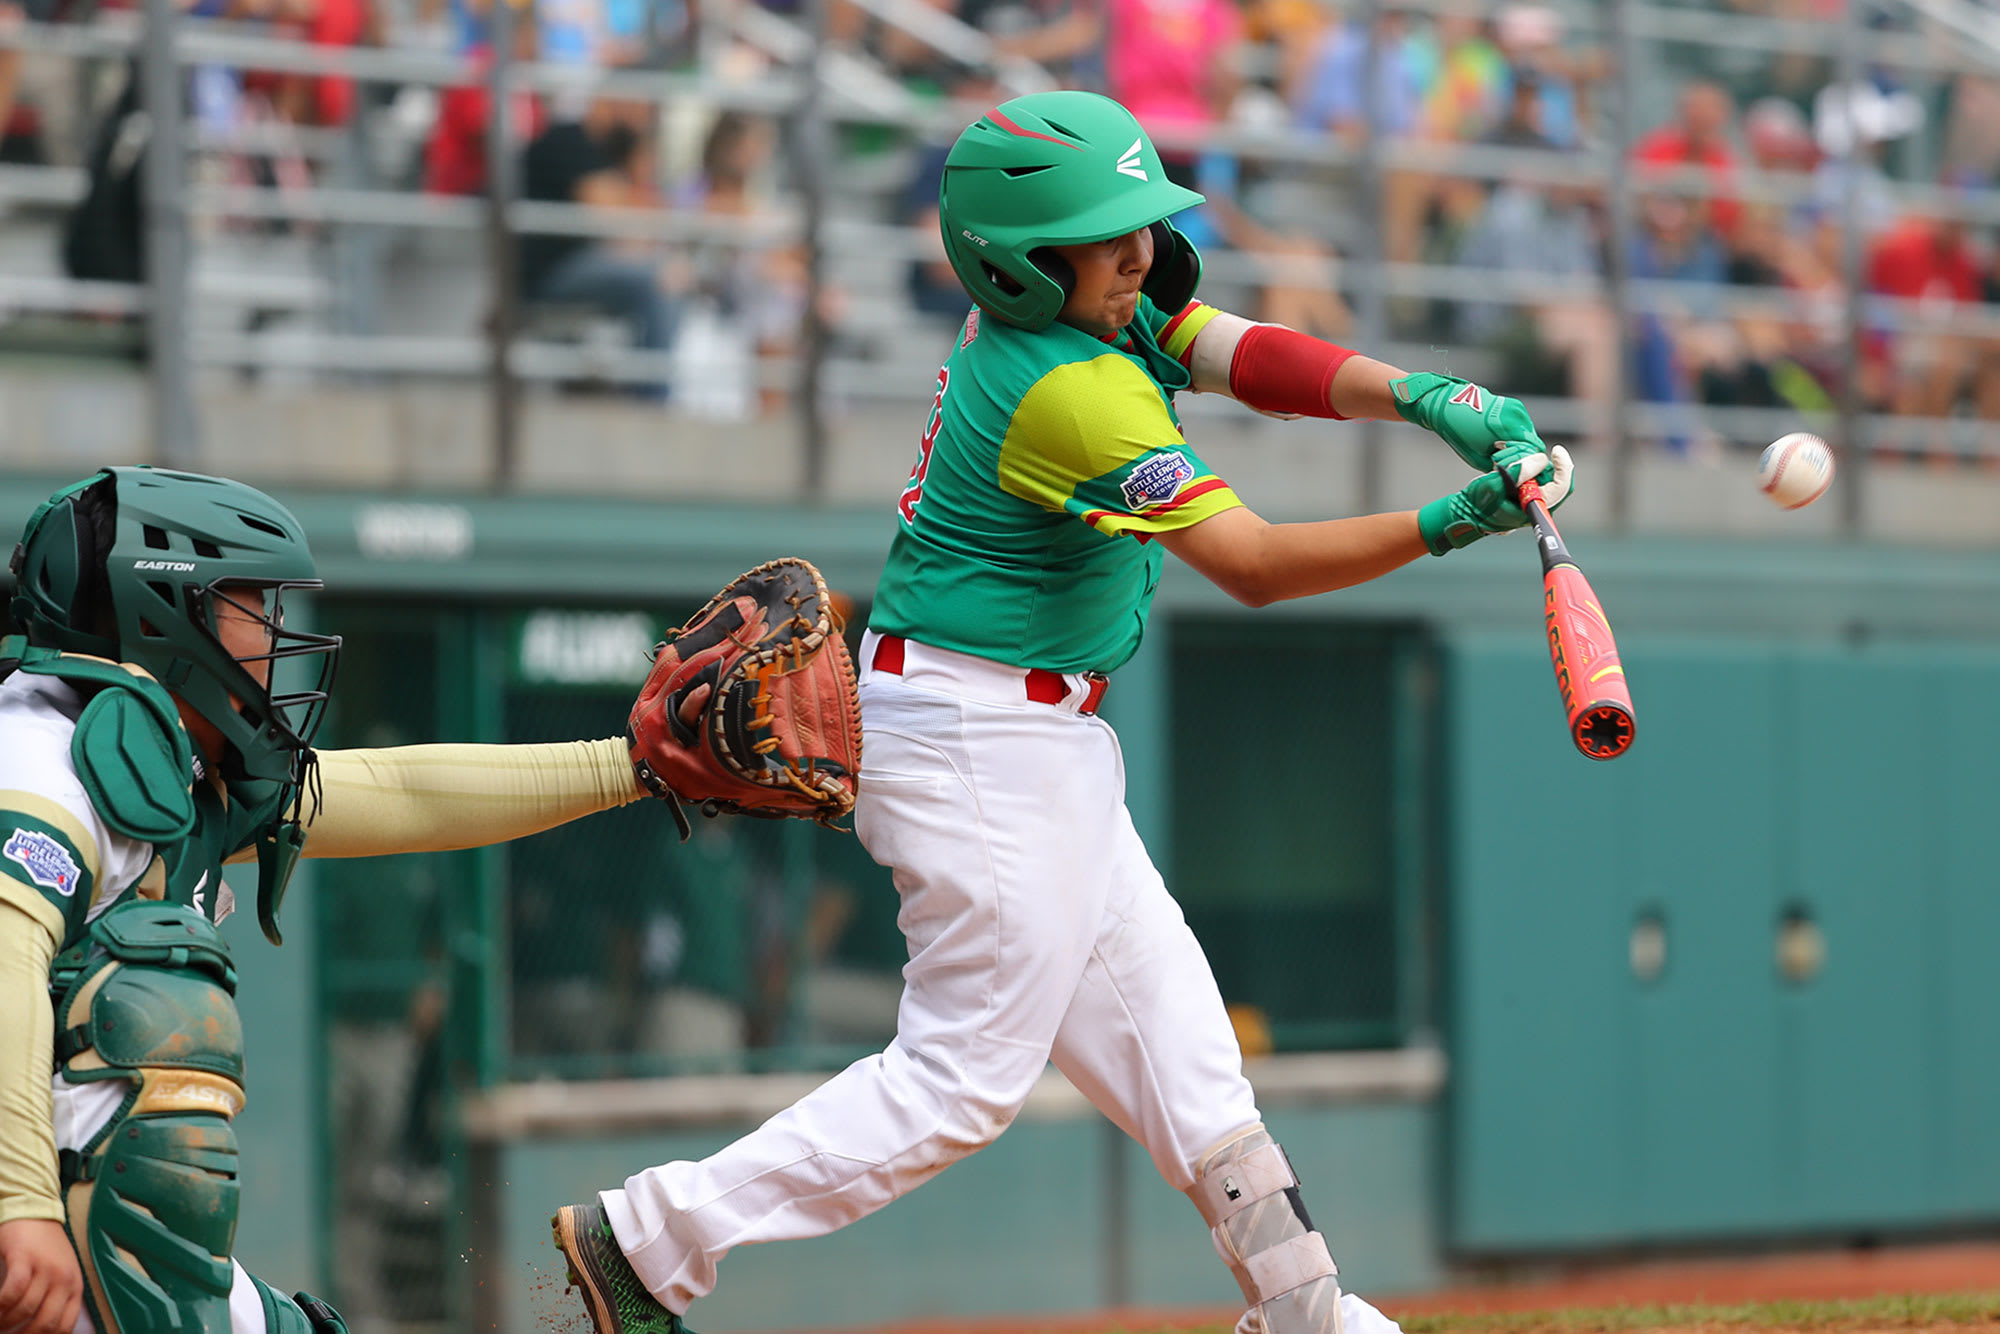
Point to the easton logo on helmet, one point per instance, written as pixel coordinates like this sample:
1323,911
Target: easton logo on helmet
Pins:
1157,480
1128,162
183,566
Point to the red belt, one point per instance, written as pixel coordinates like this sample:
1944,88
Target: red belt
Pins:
1043,687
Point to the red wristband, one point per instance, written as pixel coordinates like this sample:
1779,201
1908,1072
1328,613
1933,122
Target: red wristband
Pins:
1276,369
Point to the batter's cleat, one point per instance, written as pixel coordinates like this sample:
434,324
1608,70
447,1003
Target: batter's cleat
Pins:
618,1301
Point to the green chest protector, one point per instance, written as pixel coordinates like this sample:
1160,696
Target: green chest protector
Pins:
146,999
135,762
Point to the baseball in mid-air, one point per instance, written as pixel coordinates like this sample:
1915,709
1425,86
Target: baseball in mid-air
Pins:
1795,470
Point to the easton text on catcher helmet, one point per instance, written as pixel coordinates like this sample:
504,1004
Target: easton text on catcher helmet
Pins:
1051,169
130,564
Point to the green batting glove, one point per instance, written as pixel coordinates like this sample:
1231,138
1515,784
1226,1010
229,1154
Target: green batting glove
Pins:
1486,504
1483,506
1474,421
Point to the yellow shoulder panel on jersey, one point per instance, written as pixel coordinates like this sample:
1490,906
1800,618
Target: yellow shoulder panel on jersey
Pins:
1080,421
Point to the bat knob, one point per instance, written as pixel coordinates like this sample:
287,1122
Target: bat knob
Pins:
1603,731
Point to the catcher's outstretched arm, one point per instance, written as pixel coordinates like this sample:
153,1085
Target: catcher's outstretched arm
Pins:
446,797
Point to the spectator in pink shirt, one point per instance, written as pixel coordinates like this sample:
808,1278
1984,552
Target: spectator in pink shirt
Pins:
1171,62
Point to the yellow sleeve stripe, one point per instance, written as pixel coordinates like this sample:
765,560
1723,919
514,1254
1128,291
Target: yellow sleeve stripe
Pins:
1177,337
1201,499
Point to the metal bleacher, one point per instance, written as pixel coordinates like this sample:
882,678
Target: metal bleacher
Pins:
344,280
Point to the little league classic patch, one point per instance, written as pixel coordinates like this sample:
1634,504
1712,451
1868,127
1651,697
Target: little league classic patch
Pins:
1157,480
46,861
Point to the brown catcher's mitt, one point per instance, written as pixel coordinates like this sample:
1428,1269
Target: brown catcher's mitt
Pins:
778,731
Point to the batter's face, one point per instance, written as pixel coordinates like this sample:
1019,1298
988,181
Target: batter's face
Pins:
1108,273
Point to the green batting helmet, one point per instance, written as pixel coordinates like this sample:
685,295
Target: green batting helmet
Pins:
1052,169
130,565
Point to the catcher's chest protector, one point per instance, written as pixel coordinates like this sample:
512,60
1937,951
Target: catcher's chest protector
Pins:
143,997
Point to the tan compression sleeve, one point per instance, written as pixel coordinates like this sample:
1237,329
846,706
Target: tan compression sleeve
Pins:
441,798
28,1186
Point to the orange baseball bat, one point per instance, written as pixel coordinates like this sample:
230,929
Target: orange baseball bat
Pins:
1589,676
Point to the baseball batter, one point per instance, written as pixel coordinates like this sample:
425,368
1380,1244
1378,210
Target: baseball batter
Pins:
141,747
1051,473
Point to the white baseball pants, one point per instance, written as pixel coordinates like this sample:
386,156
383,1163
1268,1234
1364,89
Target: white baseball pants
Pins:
1037,928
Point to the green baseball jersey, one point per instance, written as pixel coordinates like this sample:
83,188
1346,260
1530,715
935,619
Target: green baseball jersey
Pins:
1048,462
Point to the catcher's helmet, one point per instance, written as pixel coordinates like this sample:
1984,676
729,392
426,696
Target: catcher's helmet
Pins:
1051,169
130,564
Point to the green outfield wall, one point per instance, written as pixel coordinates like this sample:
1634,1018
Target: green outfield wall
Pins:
1740,982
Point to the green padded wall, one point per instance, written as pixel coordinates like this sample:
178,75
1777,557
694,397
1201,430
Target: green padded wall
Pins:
1849,785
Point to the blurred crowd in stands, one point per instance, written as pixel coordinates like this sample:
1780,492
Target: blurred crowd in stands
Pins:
1740,162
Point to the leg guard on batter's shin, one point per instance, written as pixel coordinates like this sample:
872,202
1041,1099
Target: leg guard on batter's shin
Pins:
1249,1196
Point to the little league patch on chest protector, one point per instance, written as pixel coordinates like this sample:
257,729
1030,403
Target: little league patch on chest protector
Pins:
1157,480
46,861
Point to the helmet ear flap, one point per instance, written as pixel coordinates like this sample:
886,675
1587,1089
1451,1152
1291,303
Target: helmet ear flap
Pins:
1176,269
1060,271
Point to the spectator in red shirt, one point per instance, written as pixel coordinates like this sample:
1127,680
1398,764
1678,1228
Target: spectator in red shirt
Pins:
1699,138
314,99
455,153
1928,261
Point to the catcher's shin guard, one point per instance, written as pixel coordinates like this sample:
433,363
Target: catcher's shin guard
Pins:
1249,1196
150,1197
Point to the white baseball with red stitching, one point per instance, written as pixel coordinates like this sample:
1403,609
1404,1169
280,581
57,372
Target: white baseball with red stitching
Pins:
1795,470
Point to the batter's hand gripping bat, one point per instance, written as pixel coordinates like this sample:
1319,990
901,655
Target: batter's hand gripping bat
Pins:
1589,676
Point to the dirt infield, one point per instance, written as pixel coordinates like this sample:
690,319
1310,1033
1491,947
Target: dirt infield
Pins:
1821,1276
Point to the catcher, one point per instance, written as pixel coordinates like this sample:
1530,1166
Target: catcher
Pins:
143,744
1051,473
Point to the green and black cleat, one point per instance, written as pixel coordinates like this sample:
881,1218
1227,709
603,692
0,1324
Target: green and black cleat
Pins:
618,1301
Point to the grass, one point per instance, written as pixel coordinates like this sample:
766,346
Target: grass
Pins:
1914,1312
